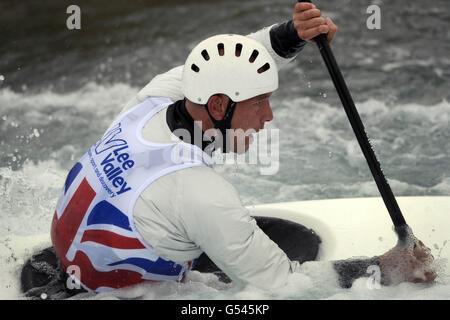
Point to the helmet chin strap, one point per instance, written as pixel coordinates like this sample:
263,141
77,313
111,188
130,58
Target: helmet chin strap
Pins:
223,124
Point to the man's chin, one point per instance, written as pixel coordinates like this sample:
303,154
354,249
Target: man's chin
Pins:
242,147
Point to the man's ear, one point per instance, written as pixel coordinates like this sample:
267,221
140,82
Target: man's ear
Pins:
217,105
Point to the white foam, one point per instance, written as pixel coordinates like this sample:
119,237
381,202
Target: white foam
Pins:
319,159
14,251
395,65
28,197
317,281
41,108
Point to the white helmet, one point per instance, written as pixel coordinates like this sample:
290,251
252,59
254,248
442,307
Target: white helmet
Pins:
234,65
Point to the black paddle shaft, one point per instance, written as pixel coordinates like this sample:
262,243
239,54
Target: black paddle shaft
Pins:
361,136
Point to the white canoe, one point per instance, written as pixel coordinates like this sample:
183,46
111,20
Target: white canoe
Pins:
362,226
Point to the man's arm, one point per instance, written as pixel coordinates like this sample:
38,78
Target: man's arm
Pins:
350,270
281,41
213,217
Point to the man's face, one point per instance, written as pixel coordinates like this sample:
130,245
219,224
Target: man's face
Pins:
248,118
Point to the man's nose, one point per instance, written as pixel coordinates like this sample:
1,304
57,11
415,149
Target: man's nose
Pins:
267,115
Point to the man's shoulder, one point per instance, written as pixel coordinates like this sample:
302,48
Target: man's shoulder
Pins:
195,186
203,181
193,180
206,178
210,192
190,192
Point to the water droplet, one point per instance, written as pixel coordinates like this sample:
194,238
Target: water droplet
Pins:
43,296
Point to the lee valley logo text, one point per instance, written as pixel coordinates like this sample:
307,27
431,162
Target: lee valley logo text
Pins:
247,309
114,161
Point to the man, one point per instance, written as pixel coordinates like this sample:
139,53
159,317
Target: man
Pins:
144,203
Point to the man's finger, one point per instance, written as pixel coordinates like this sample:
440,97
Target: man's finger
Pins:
315,22
427,277
333,30
306,15
302,6
430,276
422,253
309,34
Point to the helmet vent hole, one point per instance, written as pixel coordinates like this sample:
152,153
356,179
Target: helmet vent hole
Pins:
253,56
264,68
205,55
195,68
238,50
221,49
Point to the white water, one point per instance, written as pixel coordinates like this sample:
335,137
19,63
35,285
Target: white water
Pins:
319,159
317,282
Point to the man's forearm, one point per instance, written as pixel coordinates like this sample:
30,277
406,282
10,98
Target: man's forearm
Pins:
285,40
350,270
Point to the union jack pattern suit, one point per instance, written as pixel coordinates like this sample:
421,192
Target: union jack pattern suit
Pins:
93,226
